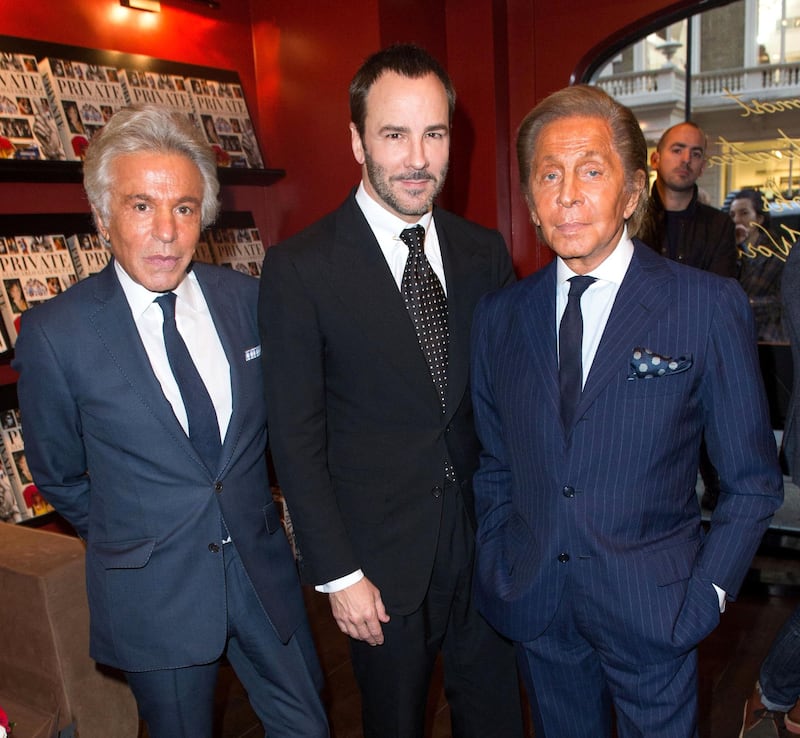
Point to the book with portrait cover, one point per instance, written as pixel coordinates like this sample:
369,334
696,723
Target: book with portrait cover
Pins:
203,250
238,248
15,464
83,97
32,269
166,90
225,121
89,254
10,506
27,127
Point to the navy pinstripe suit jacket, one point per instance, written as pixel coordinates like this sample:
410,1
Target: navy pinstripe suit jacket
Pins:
607,508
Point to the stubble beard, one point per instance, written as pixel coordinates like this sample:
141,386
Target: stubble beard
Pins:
382,184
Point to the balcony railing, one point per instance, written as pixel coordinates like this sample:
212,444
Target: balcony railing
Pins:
766,82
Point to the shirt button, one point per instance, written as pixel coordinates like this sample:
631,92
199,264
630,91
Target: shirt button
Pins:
568,492
563,558
213,547
218,487
436,492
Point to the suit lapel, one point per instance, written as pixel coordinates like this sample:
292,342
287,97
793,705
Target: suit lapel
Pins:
363,283
537,318
641,300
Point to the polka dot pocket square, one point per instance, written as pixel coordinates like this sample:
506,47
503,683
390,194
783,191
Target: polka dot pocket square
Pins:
646,364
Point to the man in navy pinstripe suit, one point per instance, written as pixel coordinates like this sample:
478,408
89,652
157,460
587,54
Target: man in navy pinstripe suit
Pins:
591,554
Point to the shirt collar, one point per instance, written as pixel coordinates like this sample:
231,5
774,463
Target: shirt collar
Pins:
140,298
384,223
611,269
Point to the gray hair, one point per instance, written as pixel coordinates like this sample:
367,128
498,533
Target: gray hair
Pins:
148,128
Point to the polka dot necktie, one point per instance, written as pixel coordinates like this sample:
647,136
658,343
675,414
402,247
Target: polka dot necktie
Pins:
200,413
427,305
570,349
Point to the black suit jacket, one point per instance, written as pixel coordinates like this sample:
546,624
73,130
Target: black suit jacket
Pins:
358,436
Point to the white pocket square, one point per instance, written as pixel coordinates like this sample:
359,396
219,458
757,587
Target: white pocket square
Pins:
252,353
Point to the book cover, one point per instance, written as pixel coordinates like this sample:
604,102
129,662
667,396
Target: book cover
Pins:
203,250
15,464
27,126
167,90
83,97
32,269
225,122
89,254
238,248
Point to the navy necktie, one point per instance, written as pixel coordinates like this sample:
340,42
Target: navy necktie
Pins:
427,305
202,418
570,348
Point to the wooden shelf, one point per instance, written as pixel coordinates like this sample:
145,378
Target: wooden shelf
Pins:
14,170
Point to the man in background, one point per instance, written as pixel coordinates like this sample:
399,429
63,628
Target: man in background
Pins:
145,427
365,320
677,225
594,381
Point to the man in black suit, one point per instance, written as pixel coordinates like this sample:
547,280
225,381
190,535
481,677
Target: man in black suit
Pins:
372,429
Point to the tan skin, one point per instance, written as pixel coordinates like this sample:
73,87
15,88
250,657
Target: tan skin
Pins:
154,217
577,191
407,139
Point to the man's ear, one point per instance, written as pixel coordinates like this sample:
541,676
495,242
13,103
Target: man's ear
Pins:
357,144
654,159
102,228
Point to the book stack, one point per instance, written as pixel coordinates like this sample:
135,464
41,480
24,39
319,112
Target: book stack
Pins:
225,122
89,254
238,248
83,97
166,90
27,127
32,269
30,502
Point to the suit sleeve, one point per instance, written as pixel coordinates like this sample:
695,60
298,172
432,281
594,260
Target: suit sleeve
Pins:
492,481
51,425
740,443
293,355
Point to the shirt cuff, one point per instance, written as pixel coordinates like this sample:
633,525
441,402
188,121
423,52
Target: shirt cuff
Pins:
721,595
337,585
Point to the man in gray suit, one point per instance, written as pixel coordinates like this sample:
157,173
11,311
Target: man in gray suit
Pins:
185,554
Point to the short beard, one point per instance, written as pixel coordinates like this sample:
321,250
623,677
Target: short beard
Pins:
381,183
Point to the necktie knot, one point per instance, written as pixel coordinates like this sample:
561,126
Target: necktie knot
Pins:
579,285
167,304
414,238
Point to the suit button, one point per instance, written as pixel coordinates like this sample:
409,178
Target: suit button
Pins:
213,547
436,492
563,558
218,487
568,492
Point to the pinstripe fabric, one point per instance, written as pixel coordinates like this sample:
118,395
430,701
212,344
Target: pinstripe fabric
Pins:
609,504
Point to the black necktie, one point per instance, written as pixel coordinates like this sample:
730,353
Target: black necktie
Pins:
427,305
570,347
202,418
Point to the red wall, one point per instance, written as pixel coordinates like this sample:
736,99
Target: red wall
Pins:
296,60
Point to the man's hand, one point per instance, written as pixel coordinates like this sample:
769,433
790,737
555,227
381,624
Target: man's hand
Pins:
359,611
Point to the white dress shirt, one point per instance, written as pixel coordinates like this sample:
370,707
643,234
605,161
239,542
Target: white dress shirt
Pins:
197,329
